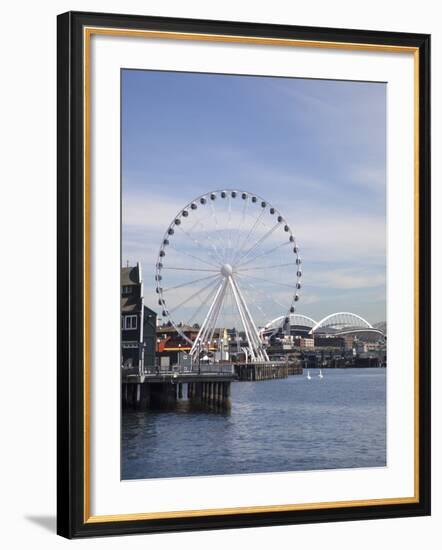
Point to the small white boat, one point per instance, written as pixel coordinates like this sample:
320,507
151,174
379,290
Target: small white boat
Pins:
320,375
308,375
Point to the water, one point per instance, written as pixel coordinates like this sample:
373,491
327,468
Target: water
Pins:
273,426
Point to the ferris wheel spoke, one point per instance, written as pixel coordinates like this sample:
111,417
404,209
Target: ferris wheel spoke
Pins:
168,289
204,301
229,243
214,243
240,226
199,223
192,256
259,242
199,244
219,233
245,241
216,239
252,298
267,296
268,281
189,269
266,267
214,216
194,295
265,253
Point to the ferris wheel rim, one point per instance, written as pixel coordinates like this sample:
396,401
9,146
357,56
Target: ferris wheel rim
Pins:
202,200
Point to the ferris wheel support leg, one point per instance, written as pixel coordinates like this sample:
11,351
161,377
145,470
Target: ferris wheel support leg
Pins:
259,350
254,343
217,311
203,330
210,318
244,319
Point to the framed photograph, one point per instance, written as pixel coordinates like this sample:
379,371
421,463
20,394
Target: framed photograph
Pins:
243,274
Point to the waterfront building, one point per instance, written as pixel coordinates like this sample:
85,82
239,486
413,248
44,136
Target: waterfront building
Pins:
138,322
221,341
322,341
308,343
171,347
349,341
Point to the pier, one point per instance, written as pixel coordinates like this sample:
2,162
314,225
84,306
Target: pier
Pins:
207,385
255,372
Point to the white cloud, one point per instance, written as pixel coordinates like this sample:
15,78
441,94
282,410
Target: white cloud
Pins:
347,279
331,235
150,211
368,176
341,249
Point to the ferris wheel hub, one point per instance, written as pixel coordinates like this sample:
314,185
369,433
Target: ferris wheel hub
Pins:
226,270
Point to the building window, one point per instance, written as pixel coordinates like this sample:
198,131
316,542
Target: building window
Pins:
127,290
129,345
129,322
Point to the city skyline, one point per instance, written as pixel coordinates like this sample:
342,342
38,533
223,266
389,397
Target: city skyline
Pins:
315,149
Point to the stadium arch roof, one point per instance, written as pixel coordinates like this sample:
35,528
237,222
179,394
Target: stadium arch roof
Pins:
340,321
296,319
345,323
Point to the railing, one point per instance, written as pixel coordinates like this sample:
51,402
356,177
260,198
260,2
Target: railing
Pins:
202,369
220,368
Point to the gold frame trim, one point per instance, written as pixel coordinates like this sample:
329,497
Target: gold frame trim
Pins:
87,34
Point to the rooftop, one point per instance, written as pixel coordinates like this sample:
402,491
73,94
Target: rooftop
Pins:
131,275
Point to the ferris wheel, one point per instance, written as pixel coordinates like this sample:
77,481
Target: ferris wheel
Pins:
227,264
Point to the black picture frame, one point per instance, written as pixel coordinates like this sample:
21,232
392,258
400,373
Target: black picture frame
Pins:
71,390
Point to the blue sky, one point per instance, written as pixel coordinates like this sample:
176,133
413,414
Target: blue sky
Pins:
315,149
